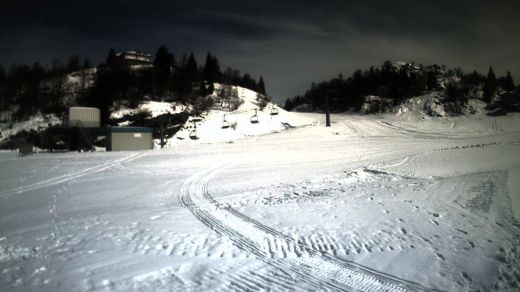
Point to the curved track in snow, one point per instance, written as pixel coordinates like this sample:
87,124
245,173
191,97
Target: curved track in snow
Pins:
305,265
68,177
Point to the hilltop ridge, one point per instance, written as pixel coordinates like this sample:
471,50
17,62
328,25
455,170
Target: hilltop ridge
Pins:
386,88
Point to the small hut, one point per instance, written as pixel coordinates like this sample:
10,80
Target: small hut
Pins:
129,138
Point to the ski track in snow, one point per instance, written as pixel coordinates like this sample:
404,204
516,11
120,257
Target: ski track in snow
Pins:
68,177
304,263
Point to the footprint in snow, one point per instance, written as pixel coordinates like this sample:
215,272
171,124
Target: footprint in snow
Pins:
461,231
467,277
440,256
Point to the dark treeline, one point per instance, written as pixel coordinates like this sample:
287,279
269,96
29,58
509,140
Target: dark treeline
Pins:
37,87
27,89
400,82
184,81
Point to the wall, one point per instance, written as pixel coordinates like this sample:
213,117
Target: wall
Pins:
86,117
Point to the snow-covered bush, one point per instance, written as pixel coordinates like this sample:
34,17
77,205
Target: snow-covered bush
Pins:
375,104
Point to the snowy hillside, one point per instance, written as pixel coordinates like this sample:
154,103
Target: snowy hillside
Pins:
211,127
71,85
155,108
35,123
220,125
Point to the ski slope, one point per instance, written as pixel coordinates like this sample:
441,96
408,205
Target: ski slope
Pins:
209,127
373,203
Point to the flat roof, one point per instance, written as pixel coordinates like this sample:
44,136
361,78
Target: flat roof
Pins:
130,129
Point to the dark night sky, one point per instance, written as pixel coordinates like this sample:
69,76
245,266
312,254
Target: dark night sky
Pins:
290,43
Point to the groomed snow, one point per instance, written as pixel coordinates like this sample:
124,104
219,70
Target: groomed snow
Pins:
373,203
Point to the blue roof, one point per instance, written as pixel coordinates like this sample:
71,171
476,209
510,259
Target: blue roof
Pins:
130,130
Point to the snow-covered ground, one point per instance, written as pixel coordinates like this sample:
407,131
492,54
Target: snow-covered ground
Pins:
374,203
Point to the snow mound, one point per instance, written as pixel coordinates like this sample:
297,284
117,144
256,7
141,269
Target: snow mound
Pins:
428,105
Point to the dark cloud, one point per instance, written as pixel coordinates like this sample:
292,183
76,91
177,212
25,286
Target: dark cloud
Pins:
290,43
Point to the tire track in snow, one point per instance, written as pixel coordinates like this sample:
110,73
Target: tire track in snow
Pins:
68,177
431,135
303,262
403,161
496,132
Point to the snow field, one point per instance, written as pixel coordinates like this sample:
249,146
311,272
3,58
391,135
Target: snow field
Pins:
418,201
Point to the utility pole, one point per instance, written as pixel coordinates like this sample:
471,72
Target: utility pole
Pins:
162,135
327,113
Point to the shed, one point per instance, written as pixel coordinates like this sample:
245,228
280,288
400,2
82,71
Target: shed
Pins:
84,117
129,138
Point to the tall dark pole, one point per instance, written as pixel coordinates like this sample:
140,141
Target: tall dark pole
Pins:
327,113
162,135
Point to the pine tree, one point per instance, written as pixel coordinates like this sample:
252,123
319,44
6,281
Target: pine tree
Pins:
185,77
3,96
211,69
261,86
248,82
87,64
192,69
509,85
491,86
288,105
163,65
57,68
73,64
111,60
164,60
113,82
3,75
